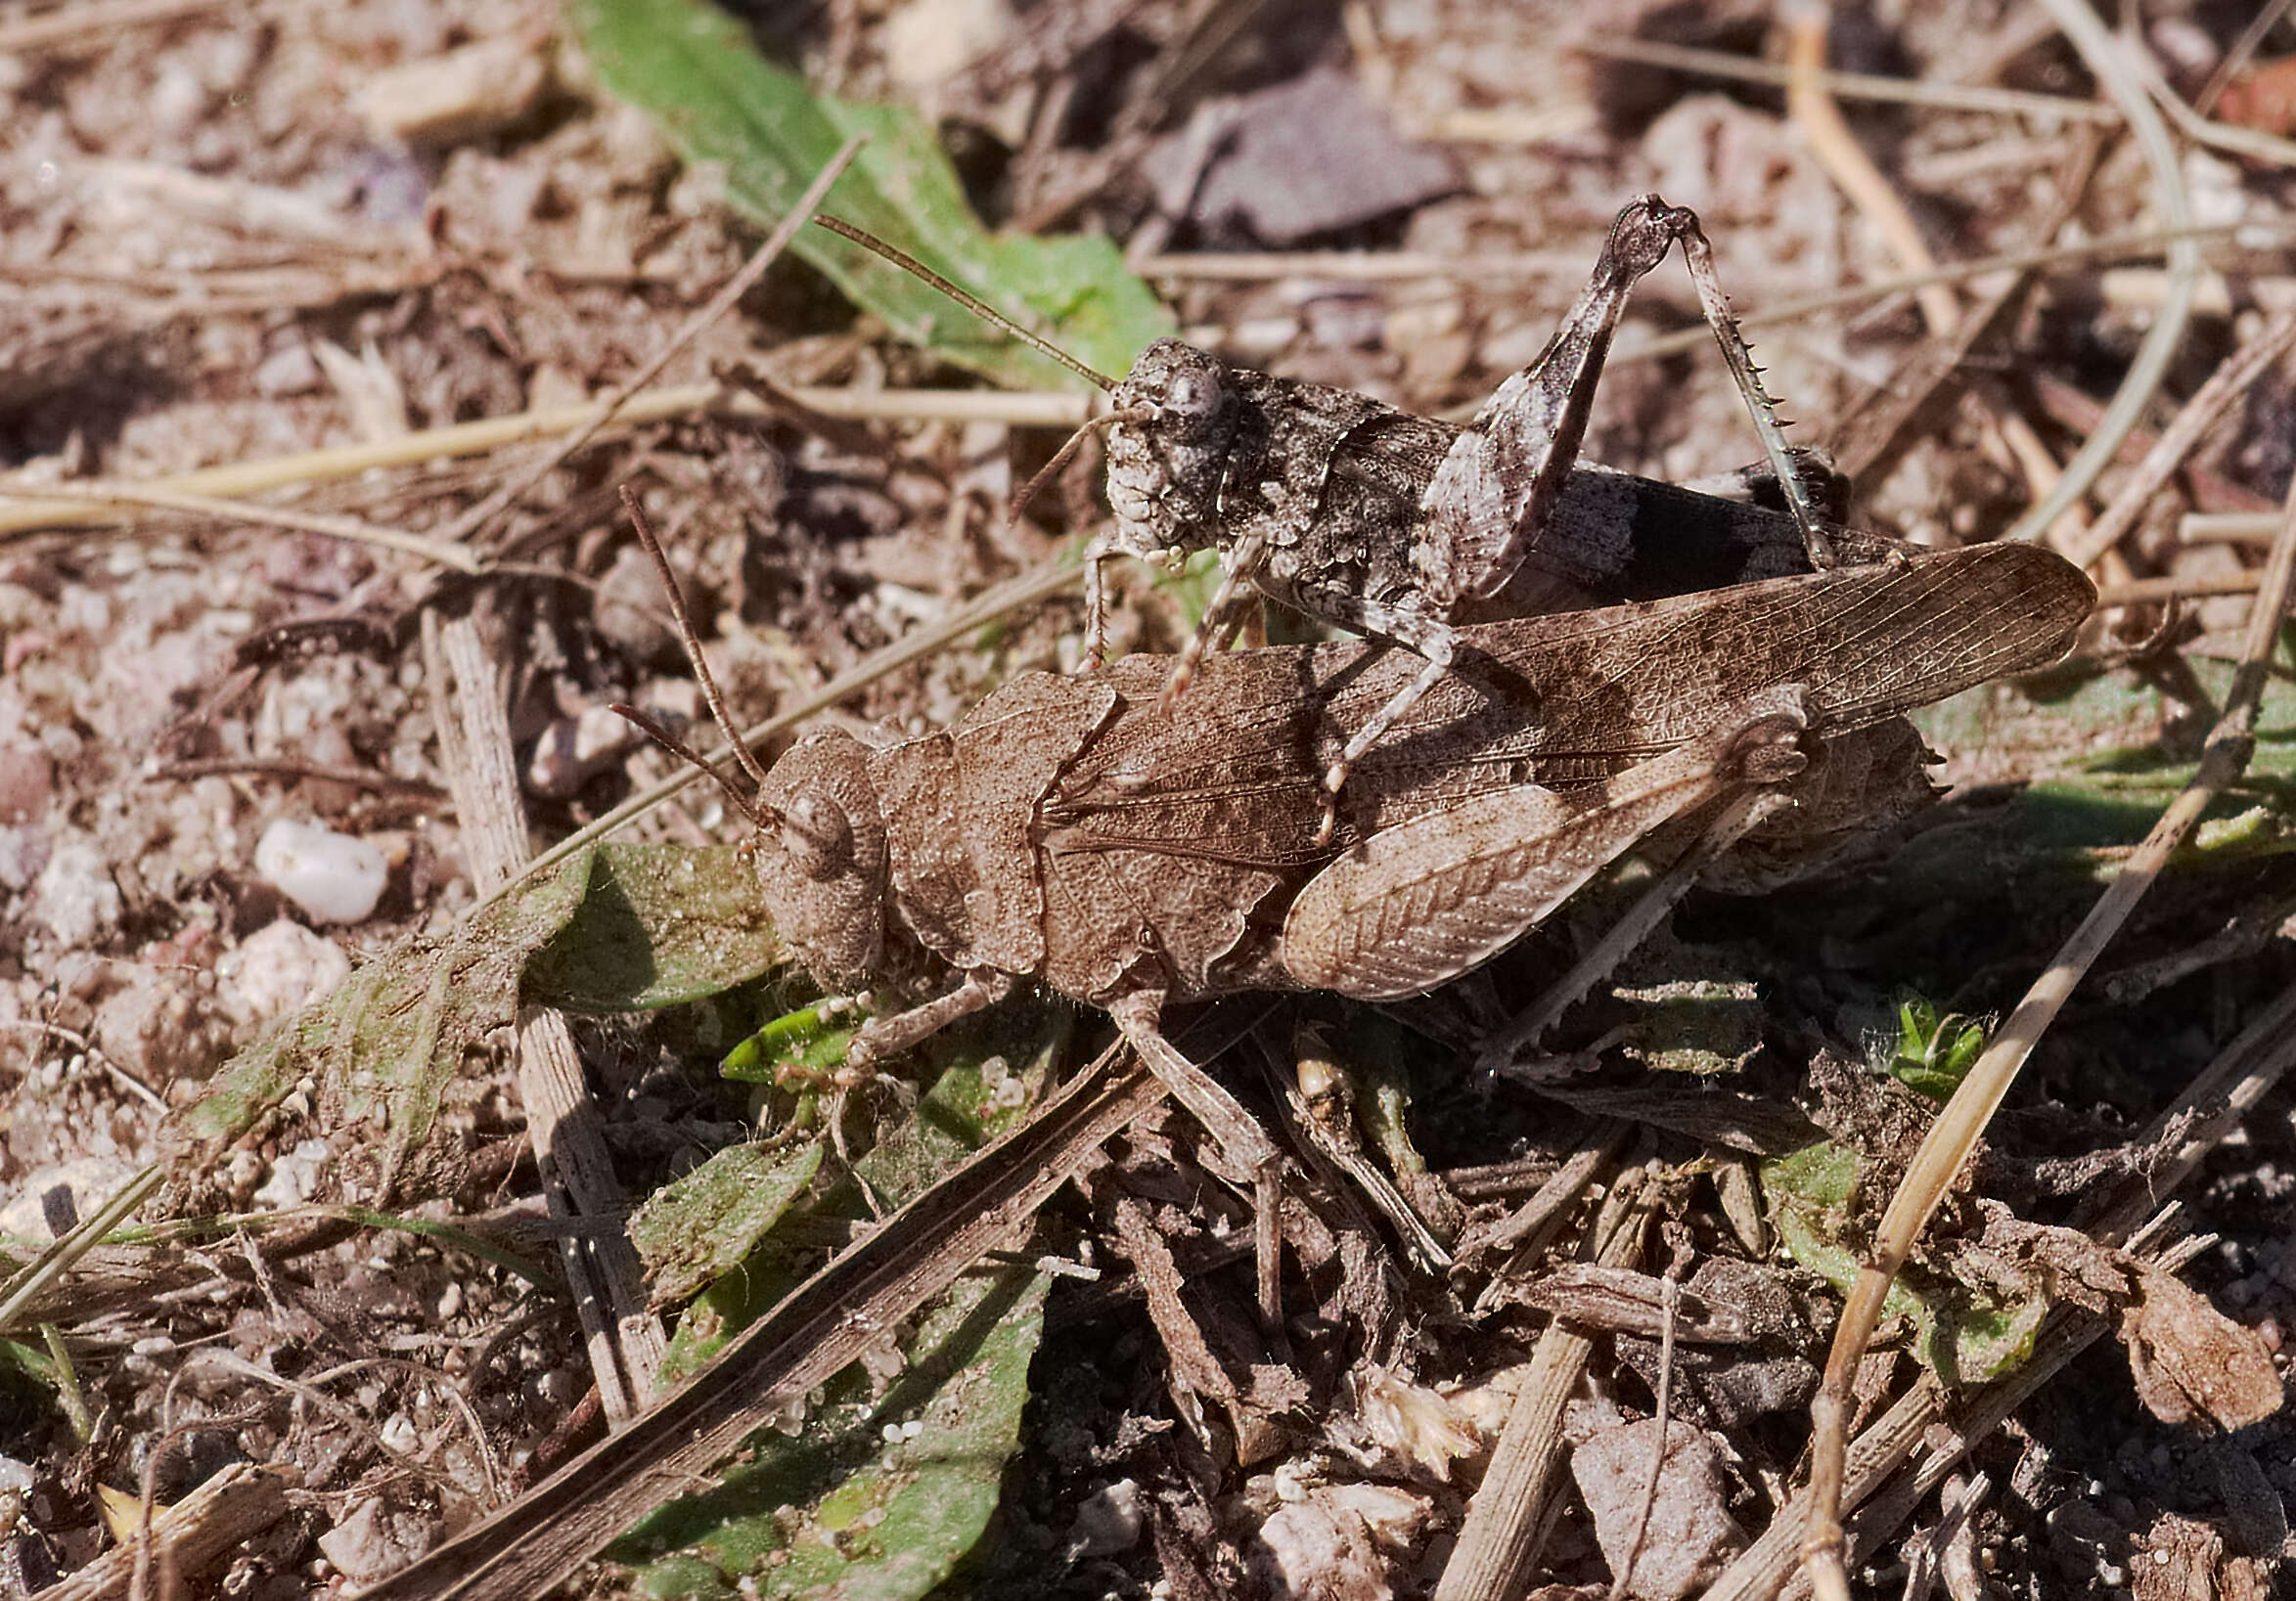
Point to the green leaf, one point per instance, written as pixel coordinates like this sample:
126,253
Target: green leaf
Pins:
1808,1195
697,72
2104,769
873,1500
619,927
1702,1026
660,925
838,1508
700,1227
1975,1336
375,1055
1966,1335
977,1094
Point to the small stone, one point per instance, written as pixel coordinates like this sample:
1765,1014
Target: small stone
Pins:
927,40
28,779
24,852
1108,1522
464,95
1689,1536
75,896
157,1026
295,1176
279,968
574,750
376,1541
332,876
629,610
291,370
1339,1544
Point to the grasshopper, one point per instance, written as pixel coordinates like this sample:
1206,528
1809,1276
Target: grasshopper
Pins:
1071,832
1396,525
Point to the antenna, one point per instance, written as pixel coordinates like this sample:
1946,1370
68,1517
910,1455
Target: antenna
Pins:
972,303
654,730
1066,453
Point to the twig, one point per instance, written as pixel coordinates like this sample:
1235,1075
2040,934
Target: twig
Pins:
1358,266
2269,15
2105,59
1882,425
1965,1117
1854,172
271,767
1499,1542
223,1515
43,1269
79,18
624,1339
1927,1558
2253,142
2147,590
94,1052
2228,528
1810,105
1942,96
1670,1298
1800,308
1525,1231
467,527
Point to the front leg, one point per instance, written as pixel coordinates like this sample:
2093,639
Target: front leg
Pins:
882,1037
1417,906
1223,615
1097,556
1431,639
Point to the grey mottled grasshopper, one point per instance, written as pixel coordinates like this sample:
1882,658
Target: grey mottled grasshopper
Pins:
1072,830
1398,526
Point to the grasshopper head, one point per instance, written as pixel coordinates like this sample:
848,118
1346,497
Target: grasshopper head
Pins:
1177,412
820,855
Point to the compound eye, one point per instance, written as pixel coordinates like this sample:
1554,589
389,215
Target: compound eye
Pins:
816,835
1192,397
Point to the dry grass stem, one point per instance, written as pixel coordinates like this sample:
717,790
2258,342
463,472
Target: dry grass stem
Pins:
2135,241
2105,59
327,525
39,505
1952,97
626,1341
2235,376
83,21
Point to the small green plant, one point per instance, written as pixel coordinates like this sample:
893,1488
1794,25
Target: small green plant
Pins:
1934,1052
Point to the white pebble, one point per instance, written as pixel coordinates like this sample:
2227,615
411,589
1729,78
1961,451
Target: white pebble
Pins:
332,876
281,966
75,896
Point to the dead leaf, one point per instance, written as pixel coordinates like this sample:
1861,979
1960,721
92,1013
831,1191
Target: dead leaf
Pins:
2190,1361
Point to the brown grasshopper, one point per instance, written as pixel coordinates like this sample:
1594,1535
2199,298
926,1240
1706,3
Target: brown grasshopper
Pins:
1396,525
1073,831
